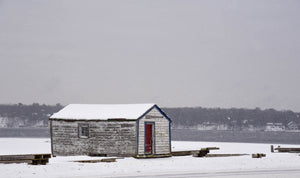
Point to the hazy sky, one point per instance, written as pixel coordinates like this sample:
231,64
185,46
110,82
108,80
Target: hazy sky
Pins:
173,53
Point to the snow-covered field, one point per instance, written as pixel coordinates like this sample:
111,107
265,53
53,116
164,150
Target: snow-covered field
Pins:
273,165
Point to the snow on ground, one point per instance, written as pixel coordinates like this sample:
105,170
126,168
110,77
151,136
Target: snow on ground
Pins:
287,164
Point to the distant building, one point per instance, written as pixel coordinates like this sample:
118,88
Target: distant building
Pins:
223,127
292,125
3,122
274,127
207,126
251,128
212,126
112,130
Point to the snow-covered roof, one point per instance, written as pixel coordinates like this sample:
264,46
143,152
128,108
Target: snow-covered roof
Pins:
102,111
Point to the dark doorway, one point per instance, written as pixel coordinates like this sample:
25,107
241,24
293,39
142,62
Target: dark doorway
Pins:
149,131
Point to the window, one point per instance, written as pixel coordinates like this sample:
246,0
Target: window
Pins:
83,130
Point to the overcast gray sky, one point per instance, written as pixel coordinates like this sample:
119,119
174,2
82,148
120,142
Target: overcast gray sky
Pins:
209,53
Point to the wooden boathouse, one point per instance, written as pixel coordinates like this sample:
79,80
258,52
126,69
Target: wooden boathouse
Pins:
139,130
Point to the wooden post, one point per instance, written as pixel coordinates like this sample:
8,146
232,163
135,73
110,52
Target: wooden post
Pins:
272,148
258,155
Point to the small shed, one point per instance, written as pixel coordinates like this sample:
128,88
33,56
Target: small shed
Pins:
110,130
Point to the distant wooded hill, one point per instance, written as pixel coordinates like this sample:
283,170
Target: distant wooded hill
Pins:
36,115
232,117
20,115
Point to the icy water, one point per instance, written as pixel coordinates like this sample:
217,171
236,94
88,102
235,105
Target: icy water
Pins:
25,132
236,136
186,135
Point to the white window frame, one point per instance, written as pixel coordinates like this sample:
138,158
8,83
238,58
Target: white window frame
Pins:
81,128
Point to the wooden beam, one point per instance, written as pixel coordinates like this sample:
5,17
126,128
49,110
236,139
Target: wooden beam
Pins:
224,155
33,159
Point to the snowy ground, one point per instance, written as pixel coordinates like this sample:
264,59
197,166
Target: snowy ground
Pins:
273,165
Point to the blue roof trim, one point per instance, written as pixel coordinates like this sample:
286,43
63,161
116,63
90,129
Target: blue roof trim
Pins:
137,136
155,106
163,113
170,137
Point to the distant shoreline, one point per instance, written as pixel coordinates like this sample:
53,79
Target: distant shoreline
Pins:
184,135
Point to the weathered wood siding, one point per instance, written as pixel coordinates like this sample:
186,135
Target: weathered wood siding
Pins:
162,135
105,137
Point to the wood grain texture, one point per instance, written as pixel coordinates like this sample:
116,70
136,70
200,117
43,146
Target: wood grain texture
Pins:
110,138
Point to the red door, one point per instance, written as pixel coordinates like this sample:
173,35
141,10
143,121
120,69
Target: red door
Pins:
149,139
